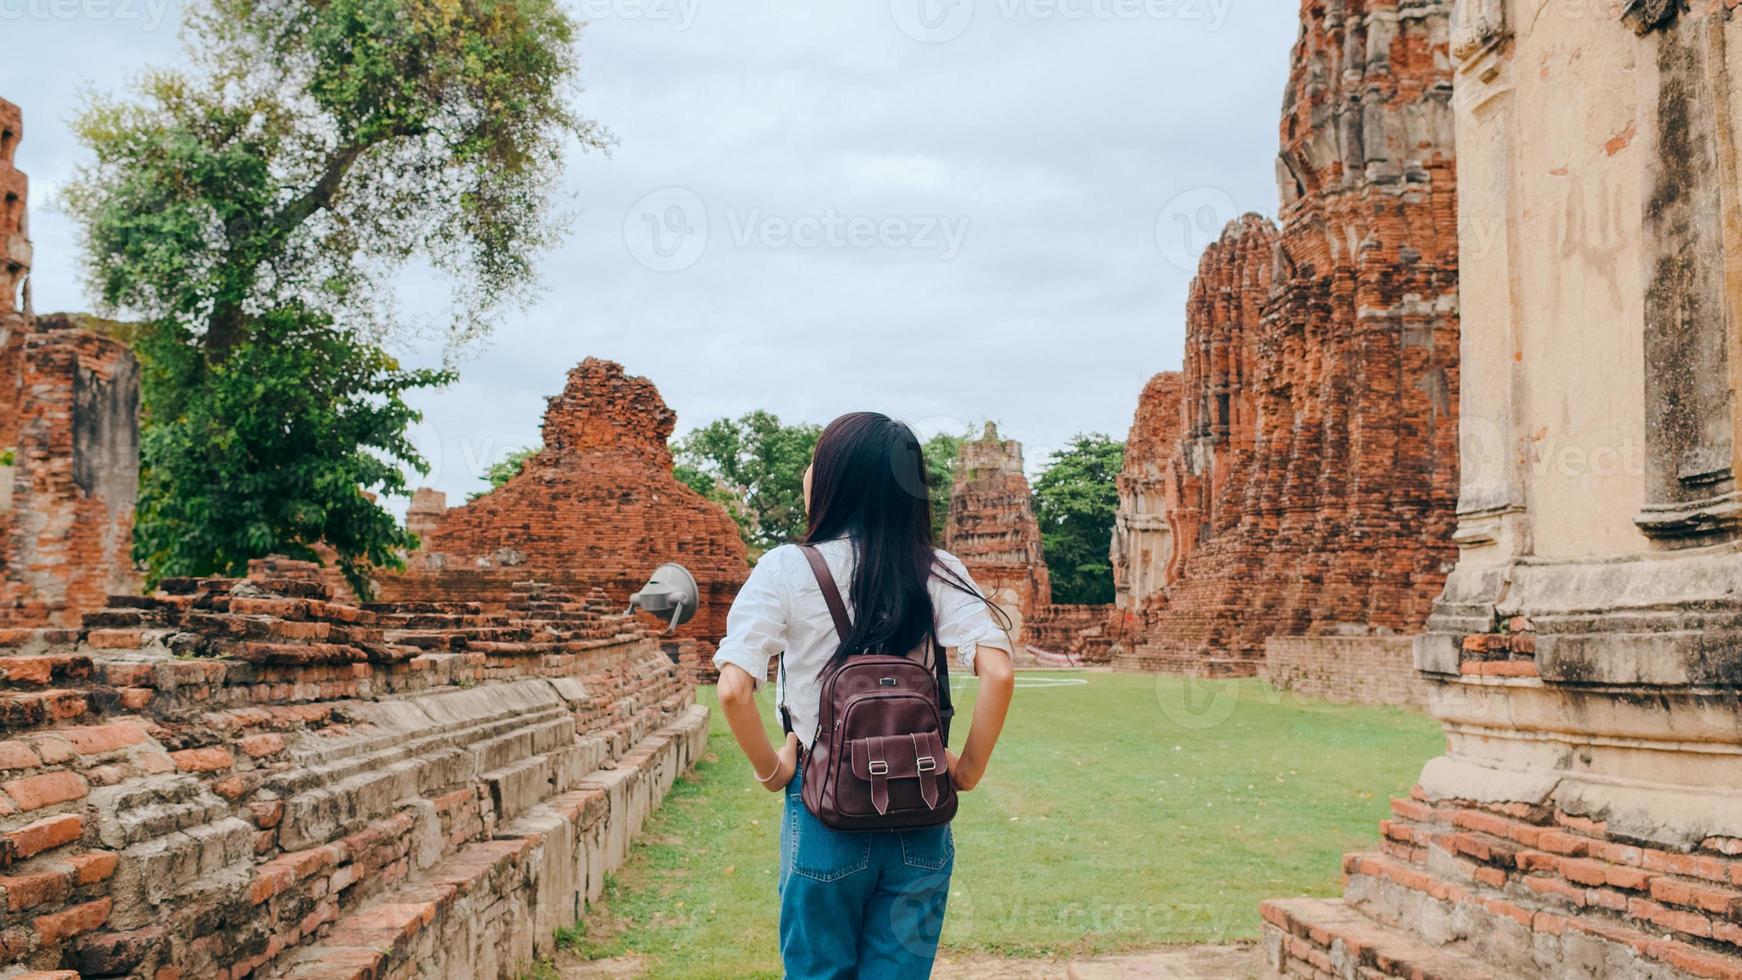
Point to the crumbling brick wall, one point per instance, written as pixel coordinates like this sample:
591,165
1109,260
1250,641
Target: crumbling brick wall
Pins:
1081,634
596,508
245,777
993,531
1314,487
69,405
68,534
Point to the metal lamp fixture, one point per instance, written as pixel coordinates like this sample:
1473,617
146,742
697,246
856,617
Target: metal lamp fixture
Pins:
671,595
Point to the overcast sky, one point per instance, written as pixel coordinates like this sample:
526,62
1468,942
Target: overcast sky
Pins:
947,210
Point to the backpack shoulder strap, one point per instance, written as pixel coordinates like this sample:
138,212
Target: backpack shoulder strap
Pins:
831,591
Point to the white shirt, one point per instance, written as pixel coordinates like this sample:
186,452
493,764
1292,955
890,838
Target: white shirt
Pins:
782,608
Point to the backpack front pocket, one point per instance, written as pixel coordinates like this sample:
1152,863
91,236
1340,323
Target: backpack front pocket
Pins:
904,772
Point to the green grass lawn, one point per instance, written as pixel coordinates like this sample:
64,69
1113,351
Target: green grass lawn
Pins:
1121,811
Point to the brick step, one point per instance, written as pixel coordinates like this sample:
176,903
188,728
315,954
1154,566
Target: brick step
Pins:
1399,893
22,642
1315,937
36,672
1570,864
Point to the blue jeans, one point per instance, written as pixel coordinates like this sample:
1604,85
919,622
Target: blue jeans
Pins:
863,904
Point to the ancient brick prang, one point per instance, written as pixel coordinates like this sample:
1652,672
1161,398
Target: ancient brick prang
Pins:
596,508
244,777
993,531
1313,487
14,217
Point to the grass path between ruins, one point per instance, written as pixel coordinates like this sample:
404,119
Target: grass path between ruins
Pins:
1122,812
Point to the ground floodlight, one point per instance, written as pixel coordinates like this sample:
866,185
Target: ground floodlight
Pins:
671,594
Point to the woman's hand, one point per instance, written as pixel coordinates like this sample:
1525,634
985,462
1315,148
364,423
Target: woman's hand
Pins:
997,685
959,774
786,765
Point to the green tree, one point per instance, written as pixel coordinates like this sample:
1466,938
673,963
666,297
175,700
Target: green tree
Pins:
941,451
1075,501
270,196
753,466
507,469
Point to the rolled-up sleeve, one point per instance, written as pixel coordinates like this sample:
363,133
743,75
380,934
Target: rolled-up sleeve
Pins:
756,624
965,618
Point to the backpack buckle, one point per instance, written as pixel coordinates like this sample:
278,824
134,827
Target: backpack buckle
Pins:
879,767
927,764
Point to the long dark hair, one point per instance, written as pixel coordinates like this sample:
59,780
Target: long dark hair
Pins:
869,484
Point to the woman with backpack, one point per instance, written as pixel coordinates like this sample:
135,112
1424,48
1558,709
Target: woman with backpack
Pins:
860,616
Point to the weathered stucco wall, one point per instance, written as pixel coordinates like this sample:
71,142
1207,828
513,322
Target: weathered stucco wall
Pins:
1143,546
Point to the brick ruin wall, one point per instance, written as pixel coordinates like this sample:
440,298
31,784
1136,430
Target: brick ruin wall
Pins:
596,508
1346,669
1313,487
244,777
69,400
993,531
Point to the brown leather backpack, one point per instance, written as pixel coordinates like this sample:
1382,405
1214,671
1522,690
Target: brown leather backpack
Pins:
878,760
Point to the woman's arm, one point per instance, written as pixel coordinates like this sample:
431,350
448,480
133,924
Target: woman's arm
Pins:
997,686
772,768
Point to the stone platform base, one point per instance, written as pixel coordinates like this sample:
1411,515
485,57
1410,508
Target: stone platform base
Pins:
494,906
